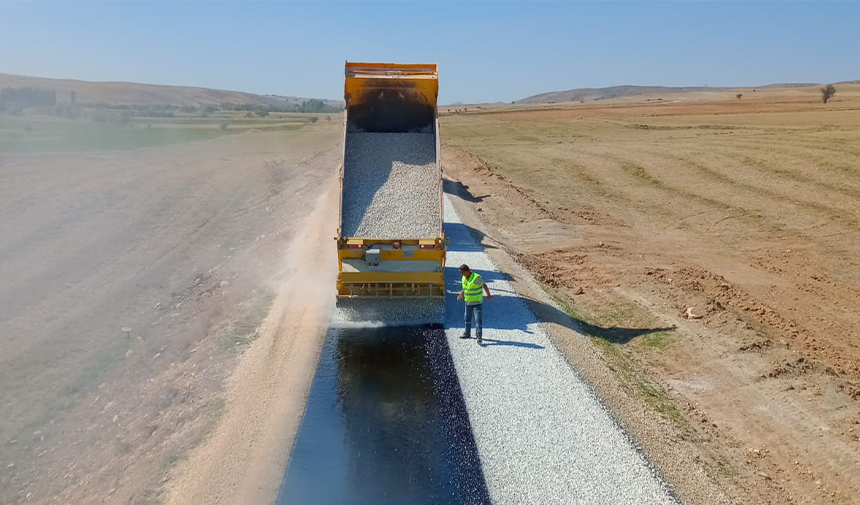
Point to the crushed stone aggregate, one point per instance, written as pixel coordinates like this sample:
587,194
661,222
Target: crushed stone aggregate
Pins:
389,312
391,186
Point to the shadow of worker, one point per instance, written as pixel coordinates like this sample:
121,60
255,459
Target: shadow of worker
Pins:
506,303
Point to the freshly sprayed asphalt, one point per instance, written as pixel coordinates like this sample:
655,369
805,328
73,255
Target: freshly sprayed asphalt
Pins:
416,415
384,424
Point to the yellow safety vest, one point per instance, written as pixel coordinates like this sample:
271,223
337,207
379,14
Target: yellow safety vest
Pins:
472,292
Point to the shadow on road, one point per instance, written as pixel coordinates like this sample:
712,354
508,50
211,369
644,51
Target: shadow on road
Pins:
492,341
613,334
456,229
508,302
457,188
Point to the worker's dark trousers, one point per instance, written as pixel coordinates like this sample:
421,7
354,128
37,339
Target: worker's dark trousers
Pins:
478,311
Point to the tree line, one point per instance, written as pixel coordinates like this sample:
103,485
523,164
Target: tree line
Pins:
313,106
15,100
28,97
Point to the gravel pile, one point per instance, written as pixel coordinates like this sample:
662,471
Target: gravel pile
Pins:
542,434
388,312
391,186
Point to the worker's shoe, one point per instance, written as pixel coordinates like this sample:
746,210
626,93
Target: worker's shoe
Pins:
465,335
480,341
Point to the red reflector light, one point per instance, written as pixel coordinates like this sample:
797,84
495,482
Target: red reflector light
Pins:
355,246
426,246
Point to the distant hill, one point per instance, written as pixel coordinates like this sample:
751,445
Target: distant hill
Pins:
576,95
129,93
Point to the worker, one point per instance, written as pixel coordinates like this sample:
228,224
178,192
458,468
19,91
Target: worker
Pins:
473,292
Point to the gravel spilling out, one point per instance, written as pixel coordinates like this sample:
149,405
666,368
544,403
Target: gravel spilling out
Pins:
391,186
388,312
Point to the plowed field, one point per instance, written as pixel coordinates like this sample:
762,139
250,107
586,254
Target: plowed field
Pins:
710,249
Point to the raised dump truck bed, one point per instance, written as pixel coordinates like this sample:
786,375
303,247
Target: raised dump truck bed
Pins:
390,239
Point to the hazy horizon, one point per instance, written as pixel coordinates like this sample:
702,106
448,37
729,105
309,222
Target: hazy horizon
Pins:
486,51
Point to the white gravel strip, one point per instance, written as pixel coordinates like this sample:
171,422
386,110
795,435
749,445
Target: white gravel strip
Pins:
542,434
391,186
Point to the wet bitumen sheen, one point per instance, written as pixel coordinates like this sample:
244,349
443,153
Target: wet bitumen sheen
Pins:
385,423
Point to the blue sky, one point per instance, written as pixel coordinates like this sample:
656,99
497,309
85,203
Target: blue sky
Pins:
486,51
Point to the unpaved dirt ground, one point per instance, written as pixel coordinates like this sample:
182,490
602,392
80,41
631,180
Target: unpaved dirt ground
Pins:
245,458
709,249
131,283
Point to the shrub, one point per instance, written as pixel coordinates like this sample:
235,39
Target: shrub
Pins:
317,106
739,95
157,111
67,110
827,93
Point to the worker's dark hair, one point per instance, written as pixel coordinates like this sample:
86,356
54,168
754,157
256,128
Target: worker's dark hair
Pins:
465,267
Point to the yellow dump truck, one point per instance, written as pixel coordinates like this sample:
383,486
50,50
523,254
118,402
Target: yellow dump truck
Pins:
390,240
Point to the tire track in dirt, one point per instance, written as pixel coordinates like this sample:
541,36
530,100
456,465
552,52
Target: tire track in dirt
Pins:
785,167
679,200
758,195
845,171
609,177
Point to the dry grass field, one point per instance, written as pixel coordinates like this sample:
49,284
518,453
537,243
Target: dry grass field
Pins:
710,247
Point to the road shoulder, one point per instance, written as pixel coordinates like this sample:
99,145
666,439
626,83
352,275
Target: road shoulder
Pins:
244,459
679,462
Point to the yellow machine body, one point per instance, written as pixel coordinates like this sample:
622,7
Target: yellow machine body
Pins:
391,97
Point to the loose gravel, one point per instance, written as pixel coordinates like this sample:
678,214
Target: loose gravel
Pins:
388,312
542,434
391,186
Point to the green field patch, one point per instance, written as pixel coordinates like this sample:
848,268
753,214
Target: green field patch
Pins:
658,340
243,330
45,135
606,341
